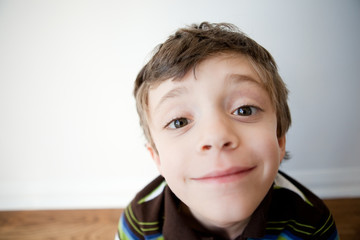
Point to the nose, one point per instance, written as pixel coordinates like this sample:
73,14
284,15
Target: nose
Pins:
217,134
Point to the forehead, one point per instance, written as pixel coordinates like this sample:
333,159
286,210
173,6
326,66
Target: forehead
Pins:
228,70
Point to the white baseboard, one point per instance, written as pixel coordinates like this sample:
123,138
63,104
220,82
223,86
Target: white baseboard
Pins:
330,183
69,194
117,193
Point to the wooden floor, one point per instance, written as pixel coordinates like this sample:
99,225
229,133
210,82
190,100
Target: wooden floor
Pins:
346,213
101,224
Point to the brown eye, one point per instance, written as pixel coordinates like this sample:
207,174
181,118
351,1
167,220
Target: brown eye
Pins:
245,111
179,123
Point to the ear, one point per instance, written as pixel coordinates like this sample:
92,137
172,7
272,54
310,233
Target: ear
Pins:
154,155
282,147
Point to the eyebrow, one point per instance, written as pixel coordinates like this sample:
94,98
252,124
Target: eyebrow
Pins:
235,78
238,78
176,92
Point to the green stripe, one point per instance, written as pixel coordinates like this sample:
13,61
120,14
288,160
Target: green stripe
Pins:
294,228
140,223
291,226
293,221
131,218
332,223
324,224
131,222
121,233
308,202
122,236
160,238
149,229
300,231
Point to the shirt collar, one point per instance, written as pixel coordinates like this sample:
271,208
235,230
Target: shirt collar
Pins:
175,226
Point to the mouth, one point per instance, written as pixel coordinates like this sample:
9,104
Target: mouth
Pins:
225,176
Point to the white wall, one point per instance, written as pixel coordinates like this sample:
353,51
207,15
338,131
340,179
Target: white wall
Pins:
69,134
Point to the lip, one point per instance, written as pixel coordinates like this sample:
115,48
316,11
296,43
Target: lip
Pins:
227,175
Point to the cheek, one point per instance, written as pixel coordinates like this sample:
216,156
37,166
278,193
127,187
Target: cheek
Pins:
172,160
265,144
173,168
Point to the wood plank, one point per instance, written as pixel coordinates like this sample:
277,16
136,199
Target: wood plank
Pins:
59,224
102,224
346,213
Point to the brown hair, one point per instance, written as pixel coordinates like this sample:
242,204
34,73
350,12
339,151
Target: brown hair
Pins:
189,46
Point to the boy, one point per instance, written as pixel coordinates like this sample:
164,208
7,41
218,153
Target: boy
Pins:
214,111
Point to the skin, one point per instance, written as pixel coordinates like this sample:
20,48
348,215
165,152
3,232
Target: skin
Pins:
216,142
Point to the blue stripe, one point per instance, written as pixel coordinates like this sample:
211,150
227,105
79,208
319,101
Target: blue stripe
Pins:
288,235
126,229
267,237
152,237
284,235
334,236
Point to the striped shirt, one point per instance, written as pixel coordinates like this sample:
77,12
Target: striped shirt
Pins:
288,211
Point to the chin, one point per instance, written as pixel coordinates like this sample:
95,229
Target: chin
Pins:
225,214
232,215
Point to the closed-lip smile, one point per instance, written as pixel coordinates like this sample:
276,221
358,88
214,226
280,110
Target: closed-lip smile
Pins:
228,175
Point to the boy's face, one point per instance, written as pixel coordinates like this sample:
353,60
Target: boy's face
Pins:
216,141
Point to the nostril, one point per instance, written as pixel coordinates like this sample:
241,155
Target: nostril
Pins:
228,144
206,147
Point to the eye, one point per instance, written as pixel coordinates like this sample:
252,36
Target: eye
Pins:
245,111
178,123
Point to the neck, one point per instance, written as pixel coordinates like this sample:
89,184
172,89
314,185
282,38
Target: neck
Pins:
231,230
228,230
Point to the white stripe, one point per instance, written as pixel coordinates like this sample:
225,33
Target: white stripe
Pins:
156,192
117,237
281,181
